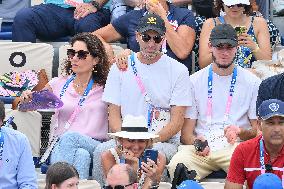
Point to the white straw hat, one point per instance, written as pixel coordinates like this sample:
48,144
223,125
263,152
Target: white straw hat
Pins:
235,2
134,128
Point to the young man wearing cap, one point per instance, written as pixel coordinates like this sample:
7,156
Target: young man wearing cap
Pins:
154,85
180,31
270,88
223,108
262,154
17,170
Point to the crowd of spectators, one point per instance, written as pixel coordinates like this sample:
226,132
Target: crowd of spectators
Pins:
116,108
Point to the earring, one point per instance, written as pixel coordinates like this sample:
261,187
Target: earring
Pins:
94,70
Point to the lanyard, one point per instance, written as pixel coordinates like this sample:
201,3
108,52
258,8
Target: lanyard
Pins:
142,89
230,97
261,160
81,101
1,147
8,122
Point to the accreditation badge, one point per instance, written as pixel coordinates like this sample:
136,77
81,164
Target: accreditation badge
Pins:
160,117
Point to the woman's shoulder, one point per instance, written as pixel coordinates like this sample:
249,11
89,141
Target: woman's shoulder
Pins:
57,81
209,24
259,21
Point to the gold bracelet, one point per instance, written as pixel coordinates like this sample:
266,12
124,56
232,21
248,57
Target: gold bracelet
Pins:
256,49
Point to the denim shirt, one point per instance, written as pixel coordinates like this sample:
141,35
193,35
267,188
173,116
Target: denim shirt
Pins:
17,169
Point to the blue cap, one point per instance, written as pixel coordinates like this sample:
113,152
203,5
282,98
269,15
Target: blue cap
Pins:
189,184
270,108
267,181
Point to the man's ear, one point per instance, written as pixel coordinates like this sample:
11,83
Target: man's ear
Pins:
210,47
137,35
259,126
53,186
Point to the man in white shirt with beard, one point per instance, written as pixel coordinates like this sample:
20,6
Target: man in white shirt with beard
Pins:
223,109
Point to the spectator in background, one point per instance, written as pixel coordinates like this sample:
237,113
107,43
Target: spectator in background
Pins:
17,170
262,154
180,33
121,176
262,6
62,175
56,18
253,44
81,124
271,88
223,109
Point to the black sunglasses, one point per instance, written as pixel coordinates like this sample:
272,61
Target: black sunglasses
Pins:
117,186
238,5
81,54
146,38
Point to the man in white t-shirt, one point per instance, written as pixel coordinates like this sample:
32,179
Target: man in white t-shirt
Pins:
154,85
223,109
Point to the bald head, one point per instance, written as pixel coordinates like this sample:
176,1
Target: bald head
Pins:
121,174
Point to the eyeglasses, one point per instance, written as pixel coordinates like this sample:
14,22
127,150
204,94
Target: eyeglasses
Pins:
117,186
81,54
238,5
146,38
224,47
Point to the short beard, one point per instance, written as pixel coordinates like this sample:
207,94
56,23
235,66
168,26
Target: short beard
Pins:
150,56
220,65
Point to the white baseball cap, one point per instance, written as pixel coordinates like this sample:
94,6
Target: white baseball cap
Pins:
235,2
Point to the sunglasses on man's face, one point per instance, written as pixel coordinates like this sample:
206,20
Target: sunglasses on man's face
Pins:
117,186
146,38
238,5
81,54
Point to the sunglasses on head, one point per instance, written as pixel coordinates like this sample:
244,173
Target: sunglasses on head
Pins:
146,38
81,54
117,186
238,5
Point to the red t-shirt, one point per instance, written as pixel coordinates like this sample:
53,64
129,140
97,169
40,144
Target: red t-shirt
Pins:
247,155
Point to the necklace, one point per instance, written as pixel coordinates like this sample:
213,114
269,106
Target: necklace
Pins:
80,85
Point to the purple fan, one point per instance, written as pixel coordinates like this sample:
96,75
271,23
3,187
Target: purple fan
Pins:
42,100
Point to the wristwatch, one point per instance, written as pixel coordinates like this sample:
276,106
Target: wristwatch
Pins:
96,4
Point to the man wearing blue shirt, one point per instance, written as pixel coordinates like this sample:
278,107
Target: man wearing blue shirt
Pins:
180,33
59,18
17,170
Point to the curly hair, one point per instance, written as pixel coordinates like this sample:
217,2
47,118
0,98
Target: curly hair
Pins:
219,6
96,49
58,173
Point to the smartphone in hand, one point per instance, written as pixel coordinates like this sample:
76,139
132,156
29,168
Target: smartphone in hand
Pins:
240,30
200,145
151,154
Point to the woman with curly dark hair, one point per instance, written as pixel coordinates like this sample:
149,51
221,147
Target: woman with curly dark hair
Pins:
81,124
253,36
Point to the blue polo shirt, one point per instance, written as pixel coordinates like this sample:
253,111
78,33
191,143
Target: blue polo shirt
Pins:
126,26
